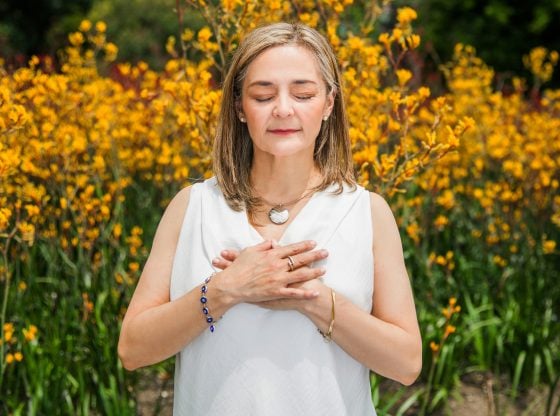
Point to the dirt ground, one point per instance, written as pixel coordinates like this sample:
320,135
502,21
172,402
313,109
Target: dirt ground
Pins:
476,395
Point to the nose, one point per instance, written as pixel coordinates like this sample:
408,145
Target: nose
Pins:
283,107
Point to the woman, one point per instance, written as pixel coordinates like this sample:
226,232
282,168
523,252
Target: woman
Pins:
261,278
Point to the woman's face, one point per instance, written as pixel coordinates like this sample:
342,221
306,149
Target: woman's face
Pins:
284,100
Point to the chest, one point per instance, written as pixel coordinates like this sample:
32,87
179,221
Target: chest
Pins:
267,229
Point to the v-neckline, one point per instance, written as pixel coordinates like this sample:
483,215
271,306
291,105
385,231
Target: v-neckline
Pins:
259,238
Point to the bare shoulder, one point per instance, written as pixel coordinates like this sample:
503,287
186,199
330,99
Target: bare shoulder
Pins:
177,207
380,209
169,228
384,224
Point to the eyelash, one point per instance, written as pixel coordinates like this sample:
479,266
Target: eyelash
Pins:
303,98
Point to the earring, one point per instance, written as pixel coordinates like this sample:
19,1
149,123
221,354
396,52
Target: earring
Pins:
242,118
325,118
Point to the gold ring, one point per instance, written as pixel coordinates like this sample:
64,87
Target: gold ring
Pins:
291,263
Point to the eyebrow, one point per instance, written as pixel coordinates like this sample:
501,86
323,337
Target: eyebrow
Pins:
270,84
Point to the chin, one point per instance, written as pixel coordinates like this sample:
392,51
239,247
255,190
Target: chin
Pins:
287,151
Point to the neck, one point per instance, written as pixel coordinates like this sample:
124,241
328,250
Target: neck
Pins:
281,179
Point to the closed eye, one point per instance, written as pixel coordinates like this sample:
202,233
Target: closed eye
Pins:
298,97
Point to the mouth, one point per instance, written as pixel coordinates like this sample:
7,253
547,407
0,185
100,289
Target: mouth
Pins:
283,132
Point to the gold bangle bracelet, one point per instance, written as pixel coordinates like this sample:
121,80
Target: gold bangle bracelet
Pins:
328,335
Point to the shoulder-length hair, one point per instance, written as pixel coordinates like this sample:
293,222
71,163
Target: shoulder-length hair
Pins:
233,148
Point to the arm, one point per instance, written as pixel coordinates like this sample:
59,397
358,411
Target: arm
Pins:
155,328
151,317
387,341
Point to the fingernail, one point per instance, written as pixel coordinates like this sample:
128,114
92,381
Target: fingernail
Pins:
324,253
313,243
215,260
315,294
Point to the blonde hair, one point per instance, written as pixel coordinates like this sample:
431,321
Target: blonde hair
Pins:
233,148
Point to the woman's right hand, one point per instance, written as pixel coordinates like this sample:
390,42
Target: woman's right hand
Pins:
262,272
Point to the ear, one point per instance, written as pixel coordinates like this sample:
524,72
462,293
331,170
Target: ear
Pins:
329,105
239,111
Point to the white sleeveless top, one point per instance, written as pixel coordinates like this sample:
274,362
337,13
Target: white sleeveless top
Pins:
260,362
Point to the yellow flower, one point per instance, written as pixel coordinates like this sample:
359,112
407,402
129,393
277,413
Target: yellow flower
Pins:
5,215
384,39
446,199
111,51
499,261
403,76
18,356
76,38
32,210
187,35
549,246
204,34
101,27
30,333
434,347
413,231
117,230
8,331
441,221
27,232
413,41
449,329
406,15
85,26
9,358
355,42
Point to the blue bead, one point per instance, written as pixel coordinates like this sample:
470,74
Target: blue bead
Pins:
211,328
203,289
205,311
209,319
203,299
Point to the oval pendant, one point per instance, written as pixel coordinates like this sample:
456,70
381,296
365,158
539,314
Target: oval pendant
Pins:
278,215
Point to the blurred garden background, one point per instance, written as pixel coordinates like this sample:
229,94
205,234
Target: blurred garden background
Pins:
108,108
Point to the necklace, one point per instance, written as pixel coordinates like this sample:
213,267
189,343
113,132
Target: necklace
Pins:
279,213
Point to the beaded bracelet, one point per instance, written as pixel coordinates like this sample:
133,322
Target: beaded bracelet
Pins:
204,302
328,335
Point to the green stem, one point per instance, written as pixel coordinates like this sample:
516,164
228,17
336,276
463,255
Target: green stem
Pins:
429,386
7,279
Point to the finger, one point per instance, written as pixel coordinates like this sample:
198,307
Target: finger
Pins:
304,274
221,263
294,293
265,245
296,248
309,257
229,255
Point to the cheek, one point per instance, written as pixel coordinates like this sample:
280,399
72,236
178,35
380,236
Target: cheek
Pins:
314,116
255,114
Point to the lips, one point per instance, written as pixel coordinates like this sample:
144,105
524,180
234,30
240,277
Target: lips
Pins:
283,131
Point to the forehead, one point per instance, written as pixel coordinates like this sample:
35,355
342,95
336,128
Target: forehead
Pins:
281,64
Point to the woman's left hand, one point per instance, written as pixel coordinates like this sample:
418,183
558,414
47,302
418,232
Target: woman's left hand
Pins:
229,256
